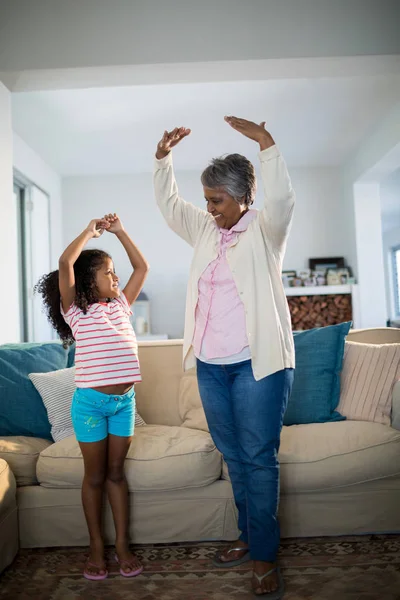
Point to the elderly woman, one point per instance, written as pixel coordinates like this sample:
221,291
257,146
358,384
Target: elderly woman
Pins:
238,329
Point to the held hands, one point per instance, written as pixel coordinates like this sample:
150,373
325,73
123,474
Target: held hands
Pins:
110,222
96,227
114,223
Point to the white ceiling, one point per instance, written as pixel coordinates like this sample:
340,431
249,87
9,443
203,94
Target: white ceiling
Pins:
316,122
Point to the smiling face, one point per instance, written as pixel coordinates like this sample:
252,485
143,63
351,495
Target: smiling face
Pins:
223,207
107,282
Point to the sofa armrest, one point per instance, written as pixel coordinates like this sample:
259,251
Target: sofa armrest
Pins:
396,406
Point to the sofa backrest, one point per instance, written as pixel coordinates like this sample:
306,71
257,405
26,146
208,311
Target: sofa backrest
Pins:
157,396
377,335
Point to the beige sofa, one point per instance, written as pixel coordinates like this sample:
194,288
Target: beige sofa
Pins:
336,478
8,516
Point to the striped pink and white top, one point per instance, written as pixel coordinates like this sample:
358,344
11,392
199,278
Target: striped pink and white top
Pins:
106,346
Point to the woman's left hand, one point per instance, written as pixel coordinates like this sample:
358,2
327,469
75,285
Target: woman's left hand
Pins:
115,225
255,132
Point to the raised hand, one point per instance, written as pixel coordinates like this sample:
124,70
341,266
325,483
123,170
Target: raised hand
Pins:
169,140
114,223
255,132
96,227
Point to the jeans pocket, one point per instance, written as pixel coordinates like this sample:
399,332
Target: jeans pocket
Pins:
86,399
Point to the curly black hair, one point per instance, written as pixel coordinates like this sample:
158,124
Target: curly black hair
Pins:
86,292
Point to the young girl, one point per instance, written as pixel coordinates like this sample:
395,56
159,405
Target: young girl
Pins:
85,305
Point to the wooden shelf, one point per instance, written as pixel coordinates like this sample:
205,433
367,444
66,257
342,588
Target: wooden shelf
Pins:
318,290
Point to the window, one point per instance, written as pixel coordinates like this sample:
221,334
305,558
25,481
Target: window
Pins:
396,278
32,207
19,203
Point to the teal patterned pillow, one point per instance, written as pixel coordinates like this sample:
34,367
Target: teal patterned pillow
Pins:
316,387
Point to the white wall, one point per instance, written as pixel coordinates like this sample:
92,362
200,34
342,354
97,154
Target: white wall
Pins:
61,34
9,304
368,233
391,239
370,165
390,209
317,229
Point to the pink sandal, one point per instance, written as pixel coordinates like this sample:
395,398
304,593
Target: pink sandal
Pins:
94,577
128,563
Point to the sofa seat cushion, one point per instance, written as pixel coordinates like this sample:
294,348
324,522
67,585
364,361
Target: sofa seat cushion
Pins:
161,457
8,489
329,455
22,453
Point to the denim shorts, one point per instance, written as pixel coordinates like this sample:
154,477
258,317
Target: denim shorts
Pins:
95,415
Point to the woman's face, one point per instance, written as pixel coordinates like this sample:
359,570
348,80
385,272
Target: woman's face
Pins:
225,210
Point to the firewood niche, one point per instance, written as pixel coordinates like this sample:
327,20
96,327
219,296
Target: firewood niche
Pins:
318,310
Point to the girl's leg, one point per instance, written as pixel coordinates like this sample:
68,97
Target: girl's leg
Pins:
95,462
117,489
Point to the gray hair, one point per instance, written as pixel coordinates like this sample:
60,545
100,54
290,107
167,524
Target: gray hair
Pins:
235,174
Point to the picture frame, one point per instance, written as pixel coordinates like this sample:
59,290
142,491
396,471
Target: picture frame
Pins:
304,274
333,277
288,277
324,264
344,276
320,277
310,281
297,282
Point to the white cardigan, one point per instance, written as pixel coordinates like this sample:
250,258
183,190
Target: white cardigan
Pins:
255,261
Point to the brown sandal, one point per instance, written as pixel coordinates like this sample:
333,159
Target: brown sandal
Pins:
276,594
217,562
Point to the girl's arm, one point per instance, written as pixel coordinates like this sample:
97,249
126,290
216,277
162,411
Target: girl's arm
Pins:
138,262
66,278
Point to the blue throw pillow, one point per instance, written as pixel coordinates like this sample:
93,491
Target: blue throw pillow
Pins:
316,386
71,356
22,411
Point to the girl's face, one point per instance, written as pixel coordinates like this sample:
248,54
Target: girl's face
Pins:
107,282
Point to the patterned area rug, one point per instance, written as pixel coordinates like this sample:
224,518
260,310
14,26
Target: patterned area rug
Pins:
353,568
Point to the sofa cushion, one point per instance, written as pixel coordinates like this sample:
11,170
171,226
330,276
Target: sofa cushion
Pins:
8,489
316,386
190,406
330,455
57,389
368,377
161,457
22,453
21,409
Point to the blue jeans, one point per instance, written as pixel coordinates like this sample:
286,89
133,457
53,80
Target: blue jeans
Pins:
245,419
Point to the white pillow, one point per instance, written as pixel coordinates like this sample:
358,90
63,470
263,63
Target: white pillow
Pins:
56,389
369,374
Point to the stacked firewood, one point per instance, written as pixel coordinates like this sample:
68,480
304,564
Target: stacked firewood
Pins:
318,311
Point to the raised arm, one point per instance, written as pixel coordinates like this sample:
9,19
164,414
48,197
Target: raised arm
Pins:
279,195
66,277
182,217
138,262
